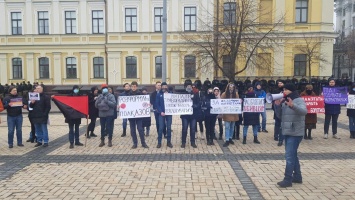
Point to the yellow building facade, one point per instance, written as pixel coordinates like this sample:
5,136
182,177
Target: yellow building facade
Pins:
89,42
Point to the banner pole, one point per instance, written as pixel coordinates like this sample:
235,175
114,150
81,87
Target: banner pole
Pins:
87,130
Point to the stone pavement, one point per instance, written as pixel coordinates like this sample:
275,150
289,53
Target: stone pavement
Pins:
240,171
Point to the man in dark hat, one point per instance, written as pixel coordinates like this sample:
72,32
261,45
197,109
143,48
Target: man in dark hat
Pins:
292,110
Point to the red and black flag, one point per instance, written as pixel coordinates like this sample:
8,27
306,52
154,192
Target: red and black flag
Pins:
72,107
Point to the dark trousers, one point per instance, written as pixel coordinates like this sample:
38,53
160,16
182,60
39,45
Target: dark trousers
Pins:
33,130
134,124
200,124
156,116
106,127
92,124
220,124
210,122
165,120
293,167
74,133
334,123
186,122
277,130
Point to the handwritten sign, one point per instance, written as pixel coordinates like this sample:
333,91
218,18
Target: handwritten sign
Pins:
253,105
226,106
351,102
134,106
178,104
314,104
335,95
33,96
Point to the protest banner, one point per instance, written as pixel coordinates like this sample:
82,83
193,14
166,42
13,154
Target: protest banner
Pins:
226,106
178,104
315,104
16,102
335,95
137,106
33,96
253,105
351,102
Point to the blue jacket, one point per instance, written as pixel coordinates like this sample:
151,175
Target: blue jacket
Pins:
260,93
159,102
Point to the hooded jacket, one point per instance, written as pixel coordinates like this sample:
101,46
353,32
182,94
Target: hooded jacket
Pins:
230,117
106,104
93,111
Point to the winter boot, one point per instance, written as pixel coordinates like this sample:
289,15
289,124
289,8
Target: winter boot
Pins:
92,134
244,139
256,140
238,132
310,134
102,143
87,134
124,133
352,134
109,144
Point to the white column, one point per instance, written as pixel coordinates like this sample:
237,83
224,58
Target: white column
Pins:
54,18
114,68
84,68
30,69
3,69
279,12
279,60
145,17
174,68
173,16
2,18
348,25
27,21
57,69
327,52
145,68
84,18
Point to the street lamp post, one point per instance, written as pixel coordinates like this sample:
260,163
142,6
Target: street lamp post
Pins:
164,40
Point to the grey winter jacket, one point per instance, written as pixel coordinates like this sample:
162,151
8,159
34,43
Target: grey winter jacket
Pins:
293,119
106,104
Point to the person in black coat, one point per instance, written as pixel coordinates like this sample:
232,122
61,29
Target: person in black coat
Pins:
210,119
40,115
33,137
147,121
332,112
74,123
93,111
251,118
351,114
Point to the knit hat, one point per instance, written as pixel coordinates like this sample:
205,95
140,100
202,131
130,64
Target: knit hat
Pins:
163,83
104,86
290,86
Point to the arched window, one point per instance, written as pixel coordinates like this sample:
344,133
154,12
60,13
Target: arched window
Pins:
190,66
158,67
71,67
43,67
131,67
17,68
99,67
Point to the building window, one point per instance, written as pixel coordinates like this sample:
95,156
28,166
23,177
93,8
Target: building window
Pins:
354,7
131,67
131,20
71,67
229,13
190,18
190,66
301,11
16,23
16,68
343,25
43,23
158,19
300,65
97,21
99,67
70,22
158,67
227,62
344,11
43,67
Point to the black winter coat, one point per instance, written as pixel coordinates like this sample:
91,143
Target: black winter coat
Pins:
251,118
41,109
207,105
351,112
93,111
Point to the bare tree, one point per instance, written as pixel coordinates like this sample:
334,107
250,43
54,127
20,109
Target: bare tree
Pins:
311,47
239,35
350,49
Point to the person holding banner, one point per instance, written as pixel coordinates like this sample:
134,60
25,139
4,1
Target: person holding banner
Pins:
74,123
106,104
219,117
163,119
292,110
190,120
311,118
14,104
260,93
136,123
210,119
250,118
229,119
147,121
127,90
40,116
351,112
332,112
